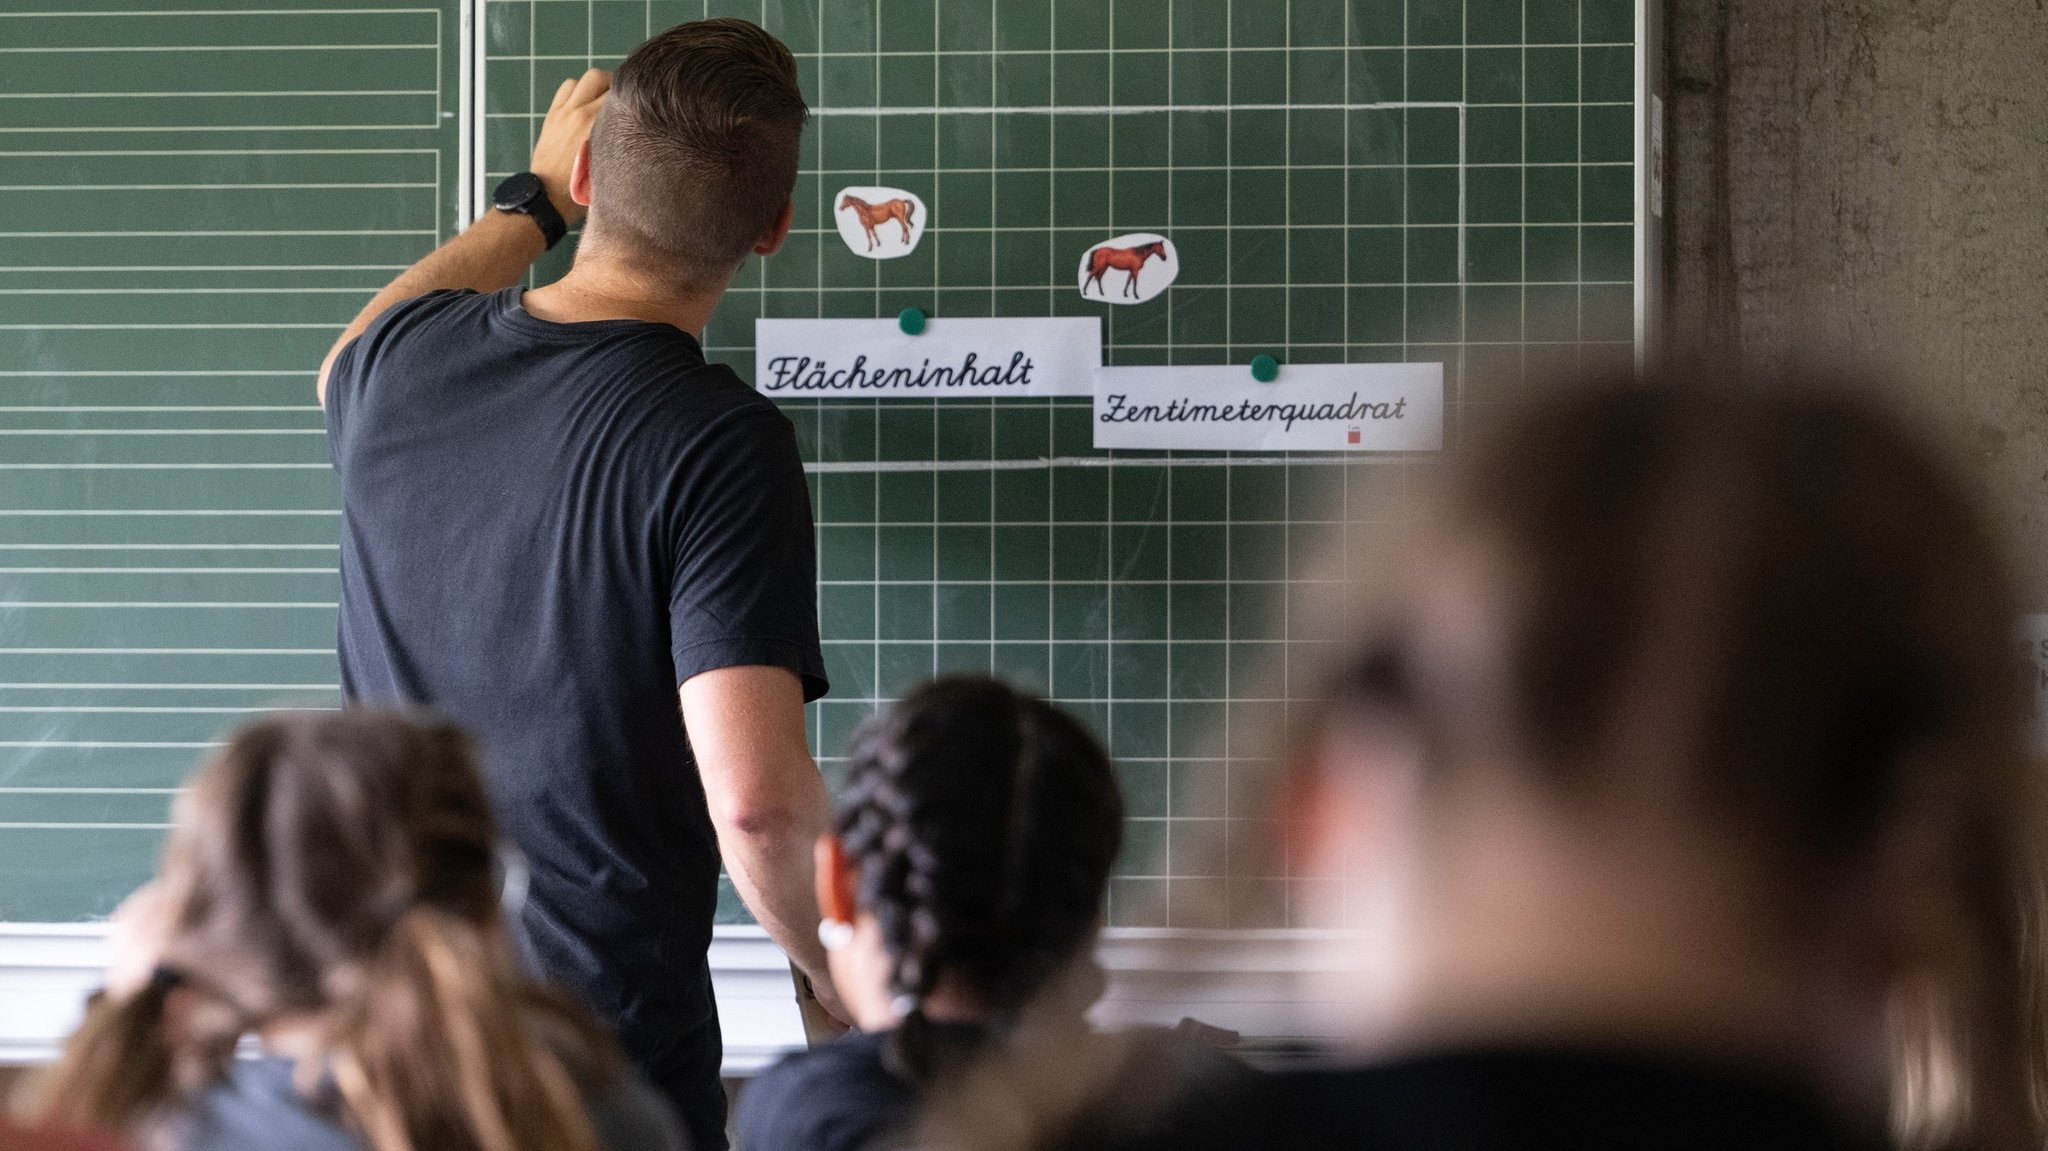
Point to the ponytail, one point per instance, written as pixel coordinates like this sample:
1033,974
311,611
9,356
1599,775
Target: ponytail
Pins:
117,1067
441,1051
921,1051
129,1058
334,871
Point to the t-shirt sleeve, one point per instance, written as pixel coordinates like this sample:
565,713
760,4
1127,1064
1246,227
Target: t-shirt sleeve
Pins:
357,363
745,591
343,380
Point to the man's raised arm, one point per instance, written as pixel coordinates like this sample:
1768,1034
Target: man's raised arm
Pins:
496,250
768,802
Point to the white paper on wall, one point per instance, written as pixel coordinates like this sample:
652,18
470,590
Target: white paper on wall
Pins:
1130,269
800,359
879,223
1310,407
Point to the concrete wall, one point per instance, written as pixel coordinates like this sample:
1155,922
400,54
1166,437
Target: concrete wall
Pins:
1870,178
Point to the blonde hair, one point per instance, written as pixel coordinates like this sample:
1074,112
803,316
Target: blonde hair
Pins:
340,867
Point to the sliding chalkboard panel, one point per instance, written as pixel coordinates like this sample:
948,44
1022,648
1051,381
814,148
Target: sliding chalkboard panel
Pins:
1345,180
196,198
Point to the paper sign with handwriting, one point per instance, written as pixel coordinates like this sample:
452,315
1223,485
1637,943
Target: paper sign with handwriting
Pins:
1311,407
837,359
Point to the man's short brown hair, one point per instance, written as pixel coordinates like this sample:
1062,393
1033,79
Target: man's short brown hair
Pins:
695,150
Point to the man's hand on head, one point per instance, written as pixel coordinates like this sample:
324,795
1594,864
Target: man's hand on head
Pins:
563,133
497,249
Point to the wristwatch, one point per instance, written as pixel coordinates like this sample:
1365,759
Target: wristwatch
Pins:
522,192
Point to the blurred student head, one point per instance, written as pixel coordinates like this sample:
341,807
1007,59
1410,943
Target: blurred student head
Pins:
1688,720
332,885
694,155
969,861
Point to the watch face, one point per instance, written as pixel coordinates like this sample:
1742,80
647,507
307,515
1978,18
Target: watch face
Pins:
516,192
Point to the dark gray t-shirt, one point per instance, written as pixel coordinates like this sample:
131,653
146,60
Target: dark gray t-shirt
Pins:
547,528
259,1109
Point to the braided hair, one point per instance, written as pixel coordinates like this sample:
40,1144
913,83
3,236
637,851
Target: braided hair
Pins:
983,822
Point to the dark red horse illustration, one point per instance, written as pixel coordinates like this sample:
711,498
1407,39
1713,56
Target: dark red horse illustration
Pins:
1130,260
873,215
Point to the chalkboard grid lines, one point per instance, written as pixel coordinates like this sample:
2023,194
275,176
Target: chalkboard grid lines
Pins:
198,198
1435,180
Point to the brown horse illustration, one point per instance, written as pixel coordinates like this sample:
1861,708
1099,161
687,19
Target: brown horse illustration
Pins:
1130,260
873,215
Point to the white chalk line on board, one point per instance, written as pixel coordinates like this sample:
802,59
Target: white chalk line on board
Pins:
84,826
1120,109
75,686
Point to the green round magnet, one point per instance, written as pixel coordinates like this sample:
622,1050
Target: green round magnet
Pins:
911,320
1265,369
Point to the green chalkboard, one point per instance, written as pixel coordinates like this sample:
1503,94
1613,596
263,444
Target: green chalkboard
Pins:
196,201
1439,180
1345,180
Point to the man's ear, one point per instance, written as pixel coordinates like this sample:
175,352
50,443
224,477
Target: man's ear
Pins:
771,240
579,176
836,880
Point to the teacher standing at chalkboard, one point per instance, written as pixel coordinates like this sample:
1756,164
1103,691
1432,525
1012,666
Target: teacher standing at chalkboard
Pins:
559,519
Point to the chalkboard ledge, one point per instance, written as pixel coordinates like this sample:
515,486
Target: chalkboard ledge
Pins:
1258,983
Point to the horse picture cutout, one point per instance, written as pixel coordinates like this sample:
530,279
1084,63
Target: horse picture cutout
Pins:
1121,271
879,223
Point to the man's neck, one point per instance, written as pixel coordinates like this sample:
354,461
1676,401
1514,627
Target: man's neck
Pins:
598,289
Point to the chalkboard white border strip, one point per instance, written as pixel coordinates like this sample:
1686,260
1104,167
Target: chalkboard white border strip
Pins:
473,137
1259,983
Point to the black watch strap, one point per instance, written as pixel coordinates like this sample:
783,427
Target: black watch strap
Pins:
523,192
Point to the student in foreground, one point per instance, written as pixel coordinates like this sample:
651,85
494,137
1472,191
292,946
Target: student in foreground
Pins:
962,888
1675,783
332,889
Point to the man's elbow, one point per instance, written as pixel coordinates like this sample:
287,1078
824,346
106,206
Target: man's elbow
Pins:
765,795
766,818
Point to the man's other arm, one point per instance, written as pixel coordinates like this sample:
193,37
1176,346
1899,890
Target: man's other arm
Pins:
498,248
768,802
